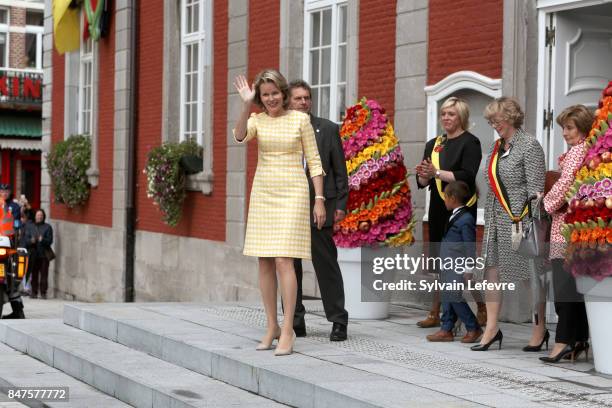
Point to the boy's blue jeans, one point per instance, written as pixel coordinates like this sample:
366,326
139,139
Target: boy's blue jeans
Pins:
454,306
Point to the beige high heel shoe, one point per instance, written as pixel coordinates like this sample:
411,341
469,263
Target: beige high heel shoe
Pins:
285,352
263,346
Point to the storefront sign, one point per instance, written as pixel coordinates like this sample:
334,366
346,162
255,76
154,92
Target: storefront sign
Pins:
20,87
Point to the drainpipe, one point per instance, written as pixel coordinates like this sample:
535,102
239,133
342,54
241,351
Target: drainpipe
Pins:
130,219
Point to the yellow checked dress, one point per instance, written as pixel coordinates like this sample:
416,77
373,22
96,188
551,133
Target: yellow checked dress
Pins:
279,211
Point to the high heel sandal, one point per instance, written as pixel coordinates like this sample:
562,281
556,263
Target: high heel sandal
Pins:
499,336
539,347
263,346
287,351
484,347
567,350
581,346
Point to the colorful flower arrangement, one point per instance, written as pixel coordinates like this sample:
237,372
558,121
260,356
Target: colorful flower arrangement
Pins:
379,210
166,177
68,163
588,222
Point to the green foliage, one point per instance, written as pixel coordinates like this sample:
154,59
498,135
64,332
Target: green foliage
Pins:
166,177
68,162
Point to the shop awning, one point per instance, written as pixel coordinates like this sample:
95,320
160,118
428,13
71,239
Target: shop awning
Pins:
21,144
16,125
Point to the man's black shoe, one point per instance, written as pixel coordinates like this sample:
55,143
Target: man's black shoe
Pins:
17,310
300,330
338,332
15,315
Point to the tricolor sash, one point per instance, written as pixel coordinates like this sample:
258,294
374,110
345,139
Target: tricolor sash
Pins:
498,187
435,160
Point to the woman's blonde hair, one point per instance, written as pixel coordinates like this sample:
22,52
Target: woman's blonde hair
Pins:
582,117
271,76
462,108
508,108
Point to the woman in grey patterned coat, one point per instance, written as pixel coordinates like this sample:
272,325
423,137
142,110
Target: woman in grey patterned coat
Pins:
515,171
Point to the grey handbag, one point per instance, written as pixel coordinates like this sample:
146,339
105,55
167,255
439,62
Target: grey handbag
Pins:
535,242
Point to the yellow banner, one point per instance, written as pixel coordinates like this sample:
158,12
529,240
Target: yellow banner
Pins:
435,160
66,26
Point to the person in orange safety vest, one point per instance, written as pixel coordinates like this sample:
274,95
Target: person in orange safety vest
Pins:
7,228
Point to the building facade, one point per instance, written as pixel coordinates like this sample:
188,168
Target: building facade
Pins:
164,72
21,33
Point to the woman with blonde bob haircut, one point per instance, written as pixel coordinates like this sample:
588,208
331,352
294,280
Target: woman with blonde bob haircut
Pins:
278,226
453,156
462,108
515,171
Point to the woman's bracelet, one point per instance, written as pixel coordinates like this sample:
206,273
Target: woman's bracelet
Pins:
320,197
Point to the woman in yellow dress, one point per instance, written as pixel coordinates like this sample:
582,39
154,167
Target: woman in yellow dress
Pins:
278,227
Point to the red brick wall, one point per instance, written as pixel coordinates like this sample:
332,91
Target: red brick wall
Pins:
465,35
17,51
377,52
264,40
203,216
98,209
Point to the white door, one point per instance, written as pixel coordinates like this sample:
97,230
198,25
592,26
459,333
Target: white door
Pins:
582,64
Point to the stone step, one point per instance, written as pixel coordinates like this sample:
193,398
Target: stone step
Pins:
20,370
129,375
221,348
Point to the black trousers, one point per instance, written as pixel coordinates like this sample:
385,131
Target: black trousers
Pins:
325,262
569,305
40,274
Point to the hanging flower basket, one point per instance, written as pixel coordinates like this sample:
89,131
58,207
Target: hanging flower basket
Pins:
68,162
192,164
166,168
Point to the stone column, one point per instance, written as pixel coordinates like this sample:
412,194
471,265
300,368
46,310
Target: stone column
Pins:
520,56
236,154
410,80
291,38
47,84
123,85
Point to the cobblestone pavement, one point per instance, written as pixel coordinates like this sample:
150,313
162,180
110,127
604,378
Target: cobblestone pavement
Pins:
399,341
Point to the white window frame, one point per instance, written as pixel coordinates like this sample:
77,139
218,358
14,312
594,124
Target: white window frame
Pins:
38,31
202,38
87,62
440,91
314,6
73,100
4,28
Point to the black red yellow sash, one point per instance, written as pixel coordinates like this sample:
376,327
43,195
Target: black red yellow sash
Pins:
435,160
498,187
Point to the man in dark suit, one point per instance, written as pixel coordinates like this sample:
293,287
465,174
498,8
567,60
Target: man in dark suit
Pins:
324,252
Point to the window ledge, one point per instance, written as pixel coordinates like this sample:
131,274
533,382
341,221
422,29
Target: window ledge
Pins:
202,181
93,176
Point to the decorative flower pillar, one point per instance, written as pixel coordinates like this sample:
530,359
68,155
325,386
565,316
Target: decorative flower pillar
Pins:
379,211
588,231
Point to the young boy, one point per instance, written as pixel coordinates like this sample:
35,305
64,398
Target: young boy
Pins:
458,245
